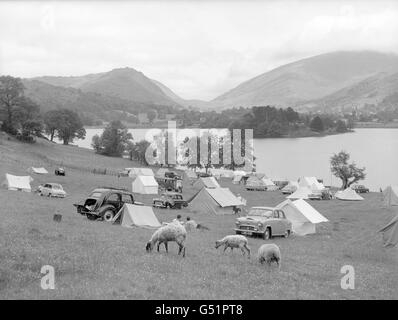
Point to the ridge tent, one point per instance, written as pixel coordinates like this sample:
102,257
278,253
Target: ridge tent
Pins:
390,196
208,182
37,170
145,185
311,183
135,172
253,182
348,194
139,216
269,184
303,216
390,233
291,187
217,201
300,193
18,183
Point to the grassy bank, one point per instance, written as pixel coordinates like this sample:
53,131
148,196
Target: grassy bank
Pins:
96,260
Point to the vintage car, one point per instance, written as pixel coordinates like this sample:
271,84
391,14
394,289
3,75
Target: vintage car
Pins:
320,195
265,222
59,171
360,188
104,203
172,200
51,190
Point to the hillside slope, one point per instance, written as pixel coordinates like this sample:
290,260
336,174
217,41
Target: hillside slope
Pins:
308,79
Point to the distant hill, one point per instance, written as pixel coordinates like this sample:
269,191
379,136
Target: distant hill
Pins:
90,105
310,79
123,83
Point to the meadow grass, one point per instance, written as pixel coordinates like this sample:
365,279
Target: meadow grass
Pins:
96,260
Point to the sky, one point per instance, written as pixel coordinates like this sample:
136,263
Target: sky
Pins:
199,49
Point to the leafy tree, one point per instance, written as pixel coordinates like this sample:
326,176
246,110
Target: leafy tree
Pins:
151,115
113,141
51,123
348,173
69,126
317,124
137,151
11,92
341,126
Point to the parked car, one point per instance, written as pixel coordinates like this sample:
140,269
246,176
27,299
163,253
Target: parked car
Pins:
104,203
203,175
172,200
265,222
359,188
60,172
51,190
320,195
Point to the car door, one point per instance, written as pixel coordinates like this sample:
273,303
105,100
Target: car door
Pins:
276,224
46,189
285,223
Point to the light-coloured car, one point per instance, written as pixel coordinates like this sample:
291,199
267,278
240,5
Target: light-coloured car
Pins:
264,221
52,190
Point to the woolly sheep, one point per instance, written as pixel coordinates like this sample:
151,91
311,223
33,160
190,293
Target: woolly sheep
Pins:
170,232
269,253
234,241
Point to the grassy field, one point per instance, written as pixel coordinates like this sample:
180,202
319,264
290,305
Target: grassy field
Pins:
96,260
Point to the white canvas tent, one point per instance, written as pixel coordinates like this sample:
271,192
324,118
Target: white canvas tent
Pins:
311,183
145,185
303,216
237,179
135,172
390,233
348,194
269,184
291,187
207,182
390,196
217,201
255,182
38,170
18,183
300,193
139,216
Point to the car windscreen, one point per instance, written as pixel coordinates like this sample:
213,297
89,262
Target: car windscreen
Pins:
95,195
56,187
260,213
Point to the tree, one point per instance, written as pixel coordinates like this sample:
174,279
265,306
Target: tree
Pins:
151,115
11,92
317,124
348,173
69,126
51,123
341,126
113,141
137,151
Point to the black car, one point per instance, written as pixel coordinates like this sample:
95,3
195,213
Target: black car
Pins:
60,172
360,189
104,203
172,200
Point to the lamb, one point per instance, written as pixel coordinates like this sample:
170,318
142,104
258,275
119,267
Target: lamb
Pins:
174,231
269,253
234,241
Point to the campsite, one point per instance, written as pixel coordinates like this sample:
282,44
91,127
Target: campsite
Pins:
98,260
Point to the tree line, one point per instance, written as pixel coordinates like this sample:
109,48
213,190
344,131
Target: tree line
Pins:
21,117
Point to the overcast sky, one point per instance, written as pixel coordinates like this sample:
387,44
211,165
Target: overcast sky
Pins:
198,49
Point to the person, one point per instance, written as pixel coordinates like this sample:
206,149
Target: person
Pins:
190,224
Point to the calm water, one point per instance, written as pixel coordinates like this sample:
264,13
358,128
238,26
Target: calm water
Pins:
375,149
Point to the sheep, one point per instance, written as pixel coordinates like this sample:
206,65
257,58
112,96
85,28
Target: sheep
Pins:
269,253
174,231
234,241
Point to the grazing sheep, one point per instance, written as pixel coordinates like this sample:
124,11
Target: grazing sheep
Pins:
174,231
234,241
269,253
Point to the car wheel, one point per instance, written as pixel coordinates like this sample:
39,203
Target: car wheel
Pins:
287,233
108,215
267,234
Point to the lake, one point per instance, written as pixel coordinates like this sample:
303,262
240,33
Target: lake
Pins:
291,158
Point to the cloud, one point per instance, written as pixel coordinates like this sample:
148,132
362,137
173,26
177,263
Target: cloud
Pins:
198,49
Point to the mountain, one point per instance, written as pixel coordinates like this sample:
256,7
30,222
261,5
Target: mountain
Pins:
91,106
374,90
310,79
123,83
